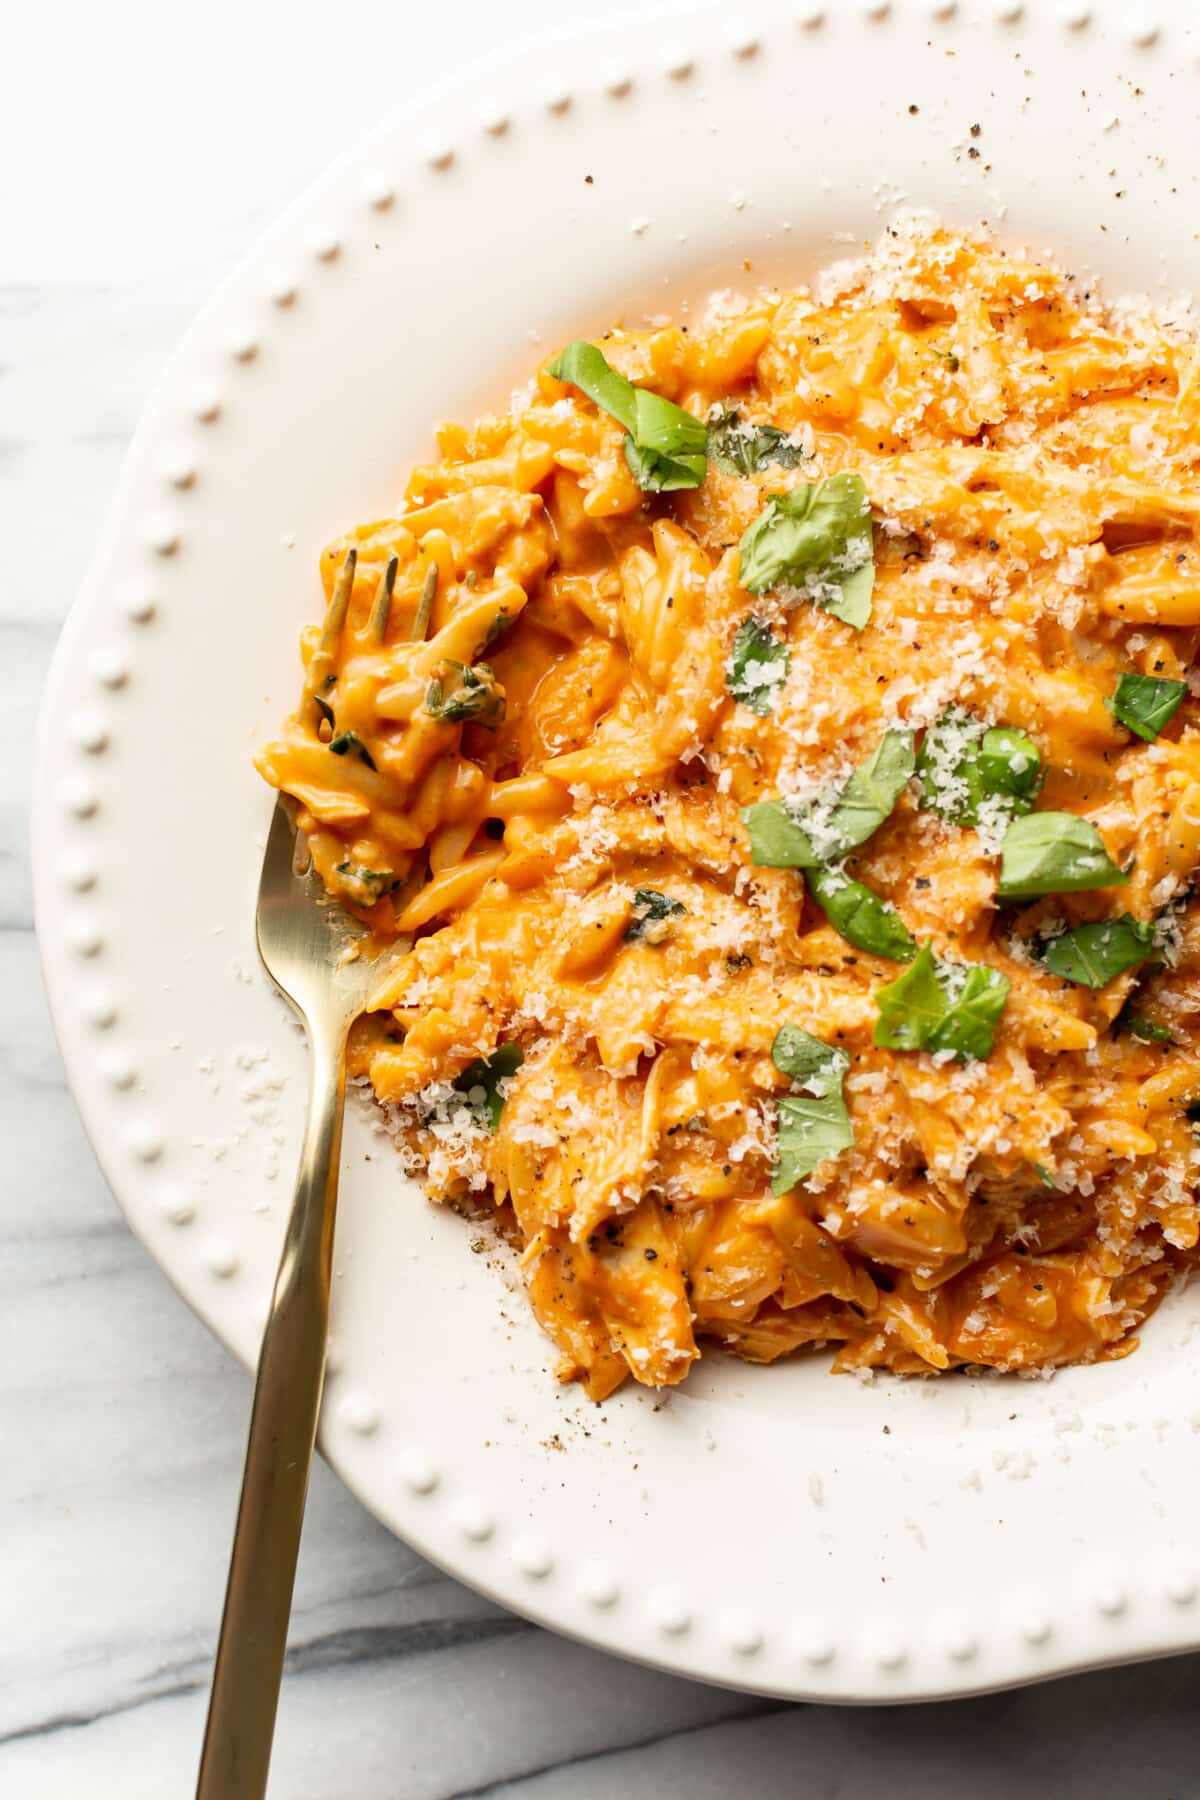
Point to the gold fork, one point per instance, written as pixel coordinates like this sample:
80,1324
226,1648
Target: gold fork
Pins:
314,954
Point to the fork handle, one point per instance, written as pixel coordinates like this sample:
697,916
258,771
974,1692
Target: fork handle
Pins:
283,1427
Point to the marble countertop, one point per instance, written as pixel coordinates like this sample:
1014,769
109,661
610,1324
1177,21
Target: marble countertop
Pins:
168,140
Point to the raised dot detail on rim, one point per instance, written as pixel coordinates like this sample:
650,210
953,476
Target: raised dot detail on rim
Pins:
99,1008
1076,14
84,936
1180,1587
744,41
960,1644
220,1258
890,1654
474,1520
145,1141
671,1613
78,871
243,346
877,10
162,535
378,191
180,469
557,100
743,1635
1008,12
206,405
816,1648
175,1205
326,246
680,64
1141,29
79,797
90,731
117,1068
496,122
599,1586
532,1556
1035,1628
618,83
440,156
417,1470
943,9
360,1413
283,290
811,16
1111,1600
110,668
138,603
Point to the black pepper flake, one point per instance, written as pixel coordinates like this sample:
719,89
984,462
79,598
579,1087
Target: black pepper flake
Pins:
650,1255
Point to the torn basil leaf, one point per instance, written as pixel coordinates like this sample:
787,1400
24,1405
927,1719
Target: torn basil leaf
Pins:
1054,853
1093,955
815,538
1145,703
665,446
809,1130
809,1060
347,742
973,776
939,1005
464,692
823,827
741,448
758,666
1044,1176
651,910
1146,1031
861,916
480,1083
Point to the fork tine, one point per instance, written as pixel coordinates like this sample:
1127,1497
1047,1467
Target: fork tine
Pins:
322,663
381,610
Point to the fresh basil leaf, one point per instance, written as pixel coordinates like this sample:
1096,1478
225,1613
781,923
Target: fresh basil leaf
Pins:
816,538
1093,955
808,1133
816,1065
666,446
860,916
1145,703
465,692
808,1130
757,667
741,448
1010,764
806,834
347,741
651,910
1147,1031
970,775
1045,1177
1054,853
939,1005
480,1082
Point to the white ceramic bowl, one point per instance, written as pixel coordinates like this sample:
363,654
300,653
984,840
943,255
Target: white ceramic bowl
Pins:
775,1529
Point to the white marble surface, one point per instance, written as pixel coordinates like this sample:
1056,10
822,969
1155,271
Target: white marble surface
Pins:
152,143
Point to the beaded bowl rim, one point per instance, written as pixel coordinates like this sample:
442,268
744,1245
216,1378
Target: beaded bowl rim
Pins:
786,1617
